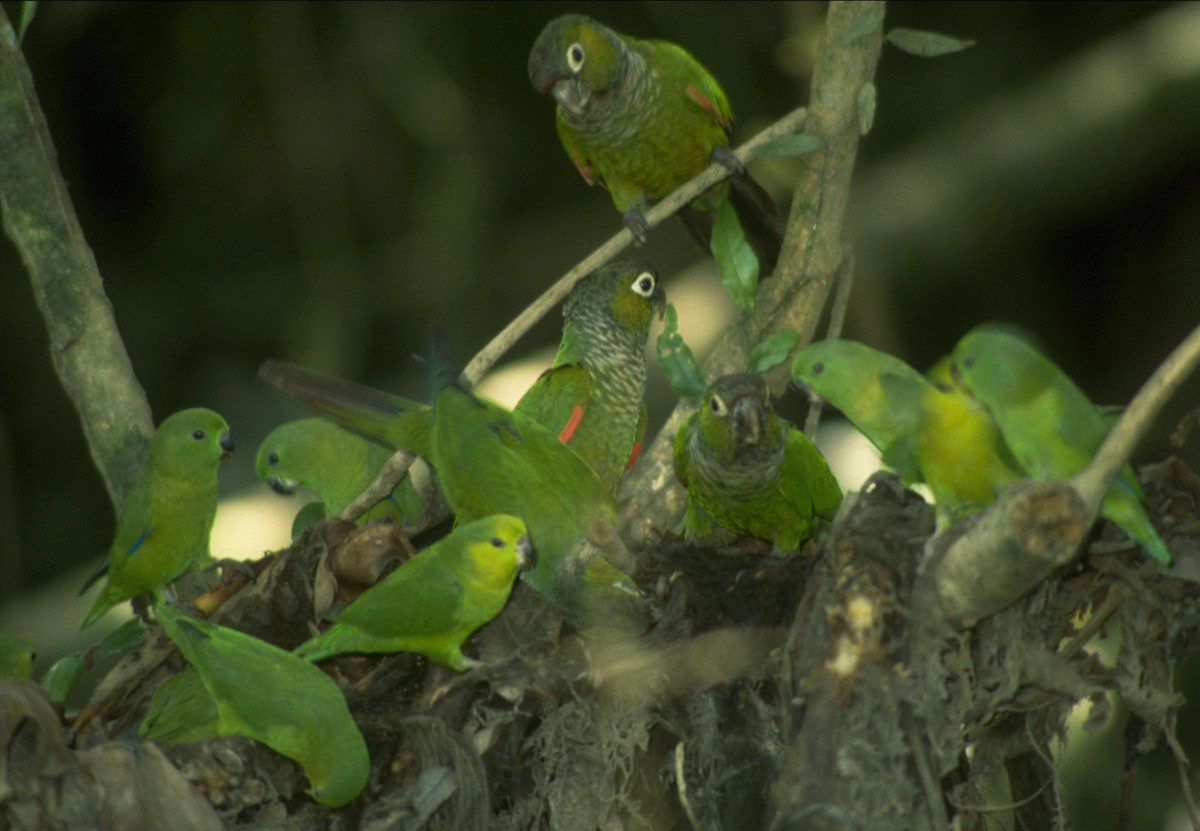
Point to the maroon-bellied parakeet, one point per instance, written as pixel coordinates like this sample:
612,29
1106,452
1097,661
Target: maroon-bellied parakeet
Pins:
642,117
164,524
749,472
593,395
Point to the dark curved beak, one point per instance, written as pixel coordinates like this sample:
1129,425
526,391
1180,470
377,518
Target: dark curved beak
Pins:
284,486
749,416
526,556
226,442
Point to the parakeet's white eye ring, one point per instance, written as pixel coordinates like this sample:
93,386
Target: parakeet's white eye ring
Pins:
717,405
575,57
198,435
644,284
497,542
273,458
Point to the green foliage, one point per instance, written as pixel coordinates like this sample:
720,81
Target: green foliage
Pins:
28,10
736,262
676,359
62,676
770,353
926,44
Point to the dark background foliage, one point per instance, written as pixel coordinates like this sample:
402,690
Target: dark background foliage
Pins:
319,183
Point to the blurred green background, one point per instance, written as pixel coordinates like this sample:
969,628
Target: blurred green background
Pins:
319,183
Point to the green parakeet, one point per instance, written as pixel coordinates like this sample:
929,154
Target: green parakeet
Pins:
268,694
1051,426
16,657
434,601
182,710
640,118
927,428
336,465
591,398
163,527
962,456
749,471
593,394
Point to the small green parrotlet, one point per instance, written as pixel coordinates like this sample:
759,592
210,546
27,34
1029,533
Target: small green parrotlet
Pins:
927,428
593,395
749,472
1051,426
433,602
267,694
336,465
641,118
164,525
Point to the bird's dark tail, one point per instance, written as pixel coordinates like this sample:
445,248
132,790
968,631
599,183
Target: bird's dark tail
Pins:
390,419
439,363
758,215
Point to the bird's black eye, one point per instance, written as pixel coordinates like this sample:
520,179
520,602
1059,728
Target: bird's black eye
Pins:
818,368
575,57
497,542
273,458
644,284
717,405
198,435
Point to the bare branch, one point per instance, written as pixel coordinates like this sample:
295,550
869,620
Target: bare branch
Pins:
85,345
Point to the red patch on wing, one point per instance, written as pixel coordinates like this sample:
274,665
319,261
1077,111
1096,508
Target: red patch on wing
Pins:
633,455
572,424
708,105
582,167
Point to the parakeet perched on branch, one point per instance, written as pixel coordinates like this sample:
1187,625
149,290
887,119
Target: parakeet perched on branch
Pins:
432,602
336,465
749,472
642,117
1051,426
163,527
267,694
593,395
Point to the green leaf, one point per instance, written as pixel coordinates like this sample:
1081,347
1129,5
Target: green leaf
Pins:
866,108
773,351
676,359
61,678
736,262
122,640
28,10
16,657
795,145
926,44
